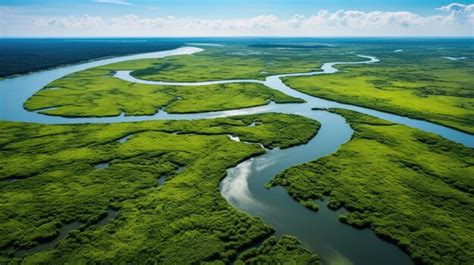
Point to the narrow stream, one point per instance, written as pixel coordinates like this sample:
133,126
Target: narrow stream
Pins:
64,230
243,187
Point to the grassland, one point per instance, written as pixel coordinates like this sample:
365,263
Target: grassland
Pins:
49,179
415,83
94,92
274,251
230,62
410,187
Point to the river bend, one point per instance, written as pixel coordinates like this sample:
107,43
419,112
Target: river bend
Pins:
243,188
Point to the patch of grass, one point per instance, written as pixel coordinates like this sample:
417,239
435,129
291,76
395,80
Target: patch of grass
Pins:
274,251
94,92
230,62
289,46
415,83
185,220
412,188
310,205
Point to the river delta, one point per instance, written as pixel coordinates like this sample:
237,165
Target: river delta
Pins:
227,155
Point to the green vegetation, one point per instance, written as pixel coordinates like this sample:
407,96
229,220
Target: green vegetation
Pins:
418,84
94,92
410,187
310,205
288,45
230,62
49,180
287,250
25,55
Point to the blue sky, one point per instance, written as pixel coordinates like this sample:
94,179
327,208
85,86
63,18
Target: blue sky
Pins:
224,8
244,17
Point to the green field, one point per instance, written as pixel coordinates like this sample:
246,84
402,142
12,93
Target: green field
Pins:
50,179
94,92
420,85
415,83
230,62
412,188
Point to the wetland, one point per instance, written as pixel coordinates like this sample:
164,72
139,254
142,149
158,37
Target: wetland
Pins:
235,164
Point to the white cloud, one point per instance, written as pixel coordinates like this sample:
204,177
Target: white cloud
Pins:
116,2
459,13
359,19
456,7
454,20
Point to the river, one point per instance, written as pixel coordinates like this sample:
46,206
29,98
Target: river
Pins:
243,188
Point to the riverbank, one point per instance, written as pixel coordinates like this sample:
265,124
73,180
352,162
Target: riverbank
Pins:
33,55
57,182
333,133
412,188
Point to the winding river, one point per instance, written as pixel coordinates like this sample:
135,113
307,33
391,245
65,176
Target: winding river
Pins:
243,187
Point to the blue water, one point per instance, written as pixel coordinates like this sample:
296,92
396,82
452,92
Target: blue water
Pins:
243,187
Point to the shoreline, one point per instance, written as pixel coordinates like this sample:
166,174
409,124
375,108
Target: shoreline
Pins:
386,111
80,62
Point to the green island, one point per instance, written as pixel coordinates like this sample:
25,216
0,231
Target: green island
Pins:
95,93
51,177
422,85
410,187
230,62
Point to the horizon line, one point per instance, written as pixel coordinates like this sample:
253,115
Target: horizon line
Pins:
237,36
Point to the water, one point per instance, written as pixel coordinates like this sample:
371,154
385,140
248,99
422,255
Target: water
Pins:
276,83
111,214
63,231
234,138
163,178
161,181
244,185
125,75
124,139
321,232
454,58
15,91
102,165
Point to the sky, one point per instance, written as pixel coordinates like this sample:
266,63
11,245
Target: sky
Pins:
306,18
